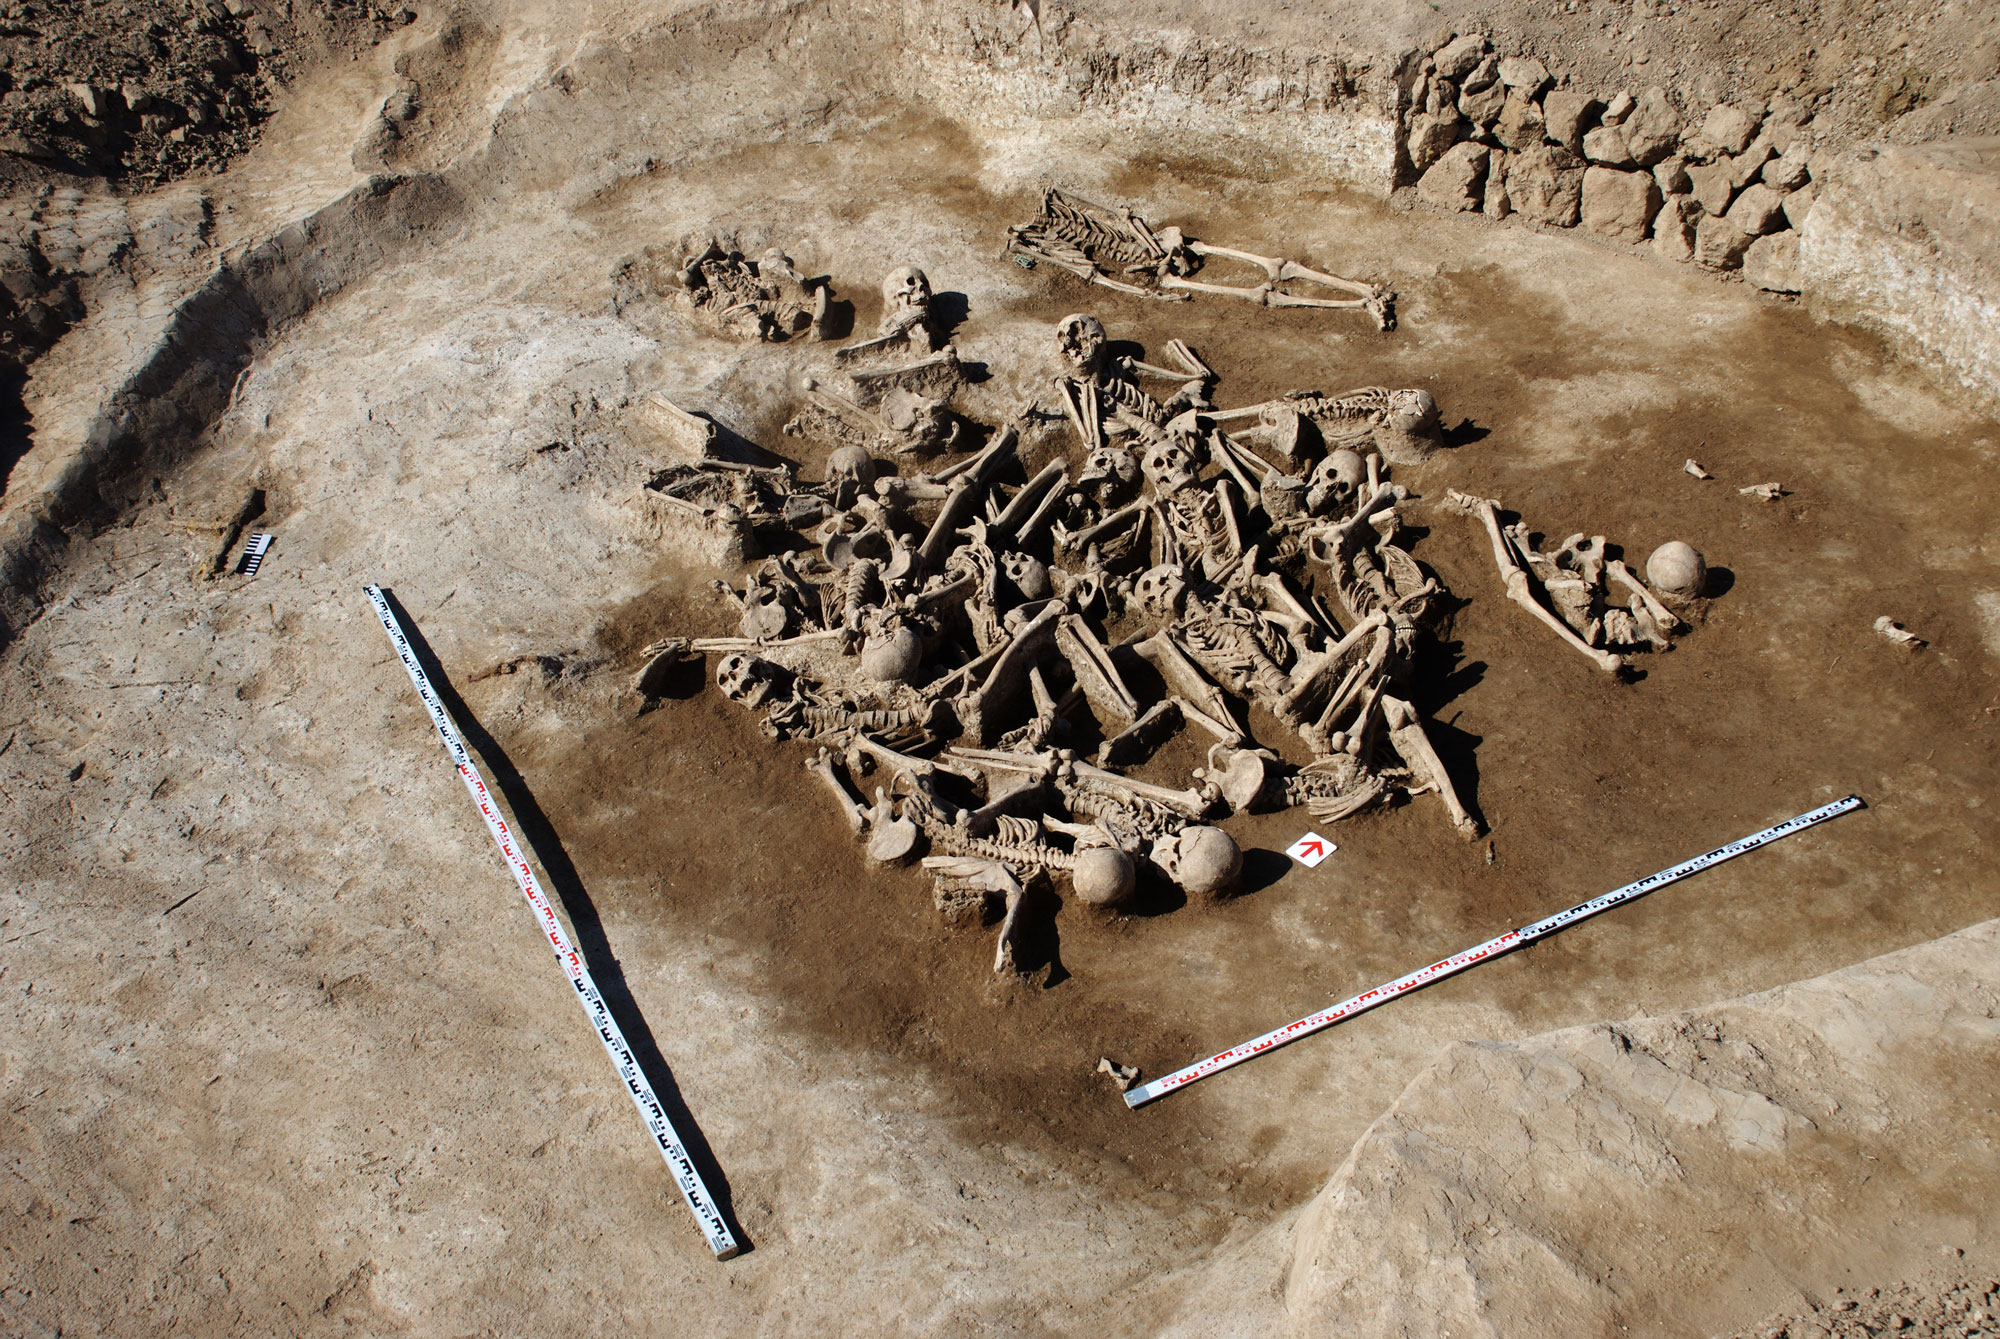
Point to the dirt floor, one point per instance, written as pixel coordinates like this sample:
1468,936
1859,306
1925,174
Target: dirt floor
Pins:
280,1053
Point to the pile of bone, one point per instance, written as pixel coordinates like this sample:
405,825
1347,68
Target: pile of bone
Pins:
980,653
1727,189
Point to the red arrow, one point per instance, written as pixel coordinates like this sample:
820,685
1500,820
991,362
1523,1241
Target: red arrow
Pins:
1311,848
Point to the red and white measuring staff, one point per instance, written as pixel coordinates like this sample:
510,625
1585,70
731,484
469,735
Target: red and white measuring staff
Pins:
713,1226
1492,948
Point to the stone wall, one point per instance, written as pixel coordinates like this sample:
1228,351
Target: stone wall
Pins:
1724,186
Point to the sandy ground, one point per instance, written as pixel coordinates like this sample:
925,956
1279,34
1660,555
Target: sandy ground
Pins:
280,1052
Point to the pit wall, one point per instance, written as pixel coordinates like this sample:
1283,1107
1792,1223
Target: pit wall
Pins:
1327,113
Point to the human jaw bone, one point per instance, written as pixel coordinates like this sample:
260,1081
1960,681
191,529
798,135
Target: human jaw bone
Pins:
747,679
1336,483
1160,591
905,289
1111,476
1169,466
1080,339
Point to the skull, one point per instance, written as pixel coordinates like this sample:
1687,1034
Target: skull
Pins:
1159,591
1027,572
1081,340
850,472
1168,466
1336,483
747,679
1203,861
1413,412
906,288
1111,475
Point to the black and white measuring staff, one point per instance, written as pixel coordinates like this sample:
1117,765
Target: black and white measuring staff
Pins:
1143,1093
713,1226
253,554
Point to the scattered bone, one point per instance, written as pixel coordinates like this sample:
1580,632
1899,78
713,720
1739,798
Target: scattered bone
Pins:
1694,467
1898,634
1770,492
1122,1075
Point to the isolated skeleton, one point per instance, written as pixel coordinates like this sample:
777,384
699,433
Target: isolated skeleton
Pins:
1116,248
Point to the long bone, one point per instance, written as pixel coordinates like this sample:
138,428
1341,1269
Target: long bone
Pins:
1520,586
821,766
1008,669
1192,803
988,876
751,644
1413,742
1185,680
1053,476
1102,685
1665,617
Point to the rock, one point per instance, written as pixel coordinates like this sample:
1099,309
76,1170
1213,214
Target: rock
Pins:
1482,107
1745,167
1606,146
239,9
1618,108
1720,244
23,146
1678,569
1484,75
1672,174
1711,183
1772,263
1545,183
1520,125
1785,173
1799,204
1460,56
1454,181
1653,130
1729,128
1496,204
1758,210
1965,109
1619,205
1430,136
1526,73
1564,117
93,100
1673,228
136,98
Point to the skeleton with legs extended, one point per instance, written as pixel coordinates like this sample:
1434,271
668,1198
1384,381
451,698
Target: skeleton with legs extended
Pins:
1117,249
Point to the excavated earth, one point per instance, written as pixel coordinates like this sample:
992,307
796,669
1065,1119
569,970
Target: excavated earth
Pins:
278,1050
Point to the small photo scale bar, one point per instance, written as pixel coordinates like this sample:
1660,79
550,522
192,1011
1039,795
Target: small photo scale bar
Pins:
253,554
699,1200
1492,948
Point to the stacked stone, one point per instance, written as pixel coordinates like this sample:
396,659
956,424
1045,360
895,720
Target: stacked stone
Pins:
1497,135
